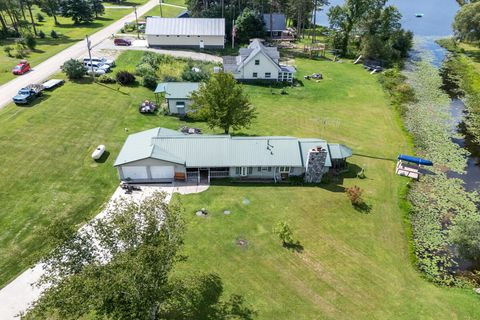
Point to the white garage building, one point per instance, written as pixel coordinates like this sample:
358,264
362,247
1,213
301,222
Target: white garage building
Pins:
161,155
185,32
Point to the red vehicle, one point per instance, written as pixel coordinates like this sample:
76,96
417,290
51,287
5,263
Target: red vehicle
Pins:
122,42
22,67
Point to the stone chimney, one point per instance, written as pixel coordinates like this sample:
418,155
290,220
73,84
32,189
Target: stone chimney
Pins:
315,167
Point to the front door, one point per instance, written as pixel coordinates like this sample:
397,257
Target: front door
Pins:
244,172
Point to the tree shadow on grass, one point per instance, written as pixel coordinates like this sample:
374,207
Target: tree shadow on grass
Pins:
297,247
363,207
117,89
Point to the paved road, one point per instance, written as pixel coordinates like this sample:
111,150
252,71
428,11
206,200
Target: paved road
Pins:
52,65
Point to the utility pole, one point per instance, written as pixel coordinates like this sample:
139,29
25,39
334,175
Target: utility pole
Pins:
314,38
136,22
160,4
233,34
89,47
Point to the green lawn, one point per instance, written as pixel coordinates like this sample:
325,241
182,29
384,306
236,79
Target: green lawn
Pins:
68,35
167,11
354,265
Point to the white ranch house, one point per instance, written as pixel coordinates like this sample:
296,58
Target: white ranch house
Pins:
185,32
258,62
161,155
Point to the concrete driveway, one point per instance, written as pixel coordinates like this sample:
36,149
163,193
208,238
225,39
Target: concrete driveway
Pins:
17,296
52,65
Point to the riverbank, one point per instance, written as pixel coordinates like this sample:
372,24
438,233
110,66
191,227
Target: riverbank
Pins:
462,78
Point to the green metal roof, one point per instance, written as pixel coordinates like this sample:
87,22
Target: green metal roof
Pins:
219,150
177,90
339,151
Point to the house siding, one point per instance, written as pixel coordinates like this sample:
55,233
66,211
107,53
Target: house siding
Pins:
172,105
266,65
185,41
149,162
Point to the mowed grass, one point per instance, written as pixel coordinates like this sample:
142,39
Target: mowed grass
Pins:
46,170
355,265
167,11
68,32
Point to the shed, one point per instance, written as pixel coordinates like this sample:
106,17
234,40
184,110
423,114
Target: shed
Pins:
185,32
177,95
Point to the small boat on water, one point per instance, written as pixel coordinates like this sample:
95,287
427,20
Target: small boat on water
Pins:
419,15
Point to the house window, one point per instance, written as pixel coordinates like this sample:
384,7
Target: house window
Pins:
255,74
259,169
269,169
238,170
268,75
250,170
284,169
167,36
264,168
257,62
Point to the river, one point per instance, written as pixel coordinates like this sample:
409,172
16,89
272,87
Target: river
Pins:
436,23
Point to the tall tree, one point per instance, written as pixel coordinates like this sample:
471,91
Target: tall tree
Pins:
467,22
119,268
97,7
50,7
345,18
222,103
29,6
79,10
249,25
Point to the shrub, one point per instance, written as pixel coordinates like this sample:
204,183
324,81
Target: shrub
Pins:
41,34
30,41
20,50
74,69
150,80
104,78
285,233
125,78
150,58
193,76
40,17
355,195
8,51
53,34
143,69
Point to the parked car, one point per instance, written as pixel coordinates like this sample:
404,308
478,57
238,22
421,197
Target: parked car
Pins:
22,67
122,42
102,60
52,83
97,65
97,72
28,94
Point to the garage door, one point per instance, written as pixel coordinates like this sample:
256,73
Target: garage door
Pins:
135,173
162,172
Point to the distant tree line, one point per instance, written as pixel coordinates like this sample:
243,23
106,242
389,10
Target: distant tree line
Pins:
16,16
367,27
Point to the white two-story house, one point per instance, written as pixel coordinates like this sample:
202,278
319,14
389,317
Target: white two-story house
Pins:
258,62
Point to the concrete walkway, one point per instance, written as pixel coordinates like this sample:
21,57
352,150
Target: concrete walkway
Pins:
18,295
52,65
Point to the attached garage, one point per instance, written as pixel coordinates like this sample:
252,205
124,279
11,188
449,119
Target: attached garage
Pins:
162,172
135,172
